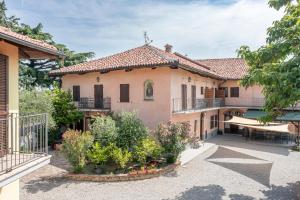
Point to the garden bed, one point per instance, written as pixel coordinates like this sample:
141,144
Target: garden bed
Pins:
132,176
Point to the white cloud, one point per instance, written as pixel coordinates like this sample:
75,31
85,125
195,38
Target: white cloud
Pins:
197,28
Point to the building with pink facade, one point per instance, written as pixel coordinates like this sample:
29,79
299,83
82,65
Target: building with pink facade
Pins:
163,86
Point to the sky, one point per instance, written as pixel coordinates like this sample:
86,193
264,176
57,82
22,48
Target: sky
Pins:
198,29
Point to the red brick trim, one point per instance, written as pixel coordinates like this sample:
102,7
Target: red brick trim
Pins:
122,177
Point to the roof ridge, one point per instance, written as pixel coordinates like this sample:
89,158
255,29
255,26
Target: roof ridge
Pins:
230,58
191,60
157,52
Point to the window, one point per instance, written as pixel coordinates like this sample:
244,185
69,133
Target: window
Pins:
216,120
184,96
234,92
195,126
212,123
76,93
148,90
202,90
124,92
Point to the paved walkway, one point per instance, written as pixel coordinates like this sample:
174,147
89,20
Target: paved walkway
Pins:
232,169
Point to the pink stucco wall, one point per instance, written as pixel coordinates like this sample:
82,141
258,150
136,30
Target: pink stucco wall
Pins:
251,96
195,116
151,112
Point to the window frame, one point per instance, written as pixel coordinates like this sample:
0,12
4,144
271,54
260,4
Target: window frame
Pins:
76,93
123,98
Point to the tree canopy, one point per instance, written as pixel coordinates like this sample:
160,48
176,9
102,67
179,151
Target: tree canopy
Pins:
276,65
34,73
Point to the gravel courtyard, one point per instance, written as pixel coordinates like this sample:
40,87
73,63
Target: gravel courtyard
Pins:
232,169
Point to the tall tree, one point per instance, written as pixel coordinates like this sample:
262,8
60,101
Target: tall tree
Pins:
34,73
276,65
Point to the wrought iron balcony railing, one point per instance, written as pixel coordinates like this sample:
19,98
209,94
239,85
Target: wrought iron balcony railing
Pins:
91,103
22,140
189,104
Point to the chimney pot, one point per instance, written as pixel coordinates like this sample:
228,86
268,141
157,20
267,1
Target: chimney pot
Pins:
168,48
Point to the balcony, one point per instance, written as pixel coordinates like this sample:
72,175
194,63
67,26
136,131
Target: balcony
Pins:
87,103
191,105
244,102
23,144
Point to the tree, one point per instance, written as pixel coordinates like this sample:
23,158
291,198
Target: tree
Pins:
276,65
34,73
65,112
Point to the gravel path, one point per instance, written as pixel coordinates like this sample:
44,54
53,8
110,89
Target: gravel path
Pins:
234,169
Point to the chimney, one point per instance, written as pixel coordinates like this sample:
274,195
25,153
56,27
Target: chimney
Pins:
168,48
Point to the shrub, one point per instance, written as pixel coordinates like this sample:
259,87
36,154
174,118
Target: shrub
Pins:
97,155
104,129
131,130
65,112
119,157
147,149
75,147
172,138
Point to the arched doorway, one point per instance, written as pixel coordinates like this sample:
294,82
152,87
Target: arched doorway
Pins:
232,128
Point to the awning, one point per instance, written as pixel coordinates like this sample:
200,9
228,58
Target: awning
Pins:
289,116
254,124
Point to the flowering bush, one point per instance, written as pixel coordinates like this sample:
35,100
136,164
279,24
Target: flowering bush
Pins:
172,137
75,147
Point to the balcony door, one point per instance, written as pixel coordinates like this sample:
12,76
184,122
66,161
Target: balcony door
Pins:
184,96
98,96
193,88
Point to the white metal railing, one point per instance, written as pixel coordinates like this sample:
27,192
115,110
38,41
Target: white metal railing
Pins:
22,139
190,104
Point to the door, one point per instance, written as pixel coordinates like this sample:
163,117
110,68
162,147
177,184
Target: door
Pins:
193,88
201,125
184,97
3,103
98,96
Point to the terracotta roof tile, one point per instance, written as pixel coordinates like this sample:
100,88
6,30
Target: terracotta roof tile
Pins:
230,68
139,57
38,43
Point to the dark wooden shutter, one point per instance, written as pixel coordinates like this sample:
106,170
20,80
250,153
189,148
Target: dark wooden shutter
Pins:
193,88
202,90
3,103
184,96
98,96
76,93
3,83
234,92
124,92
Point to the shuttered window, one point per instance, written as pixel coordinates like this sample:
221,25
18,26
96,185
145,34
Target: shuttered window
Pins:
195,126
76,93
184,96
234,92
202,90
124,92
